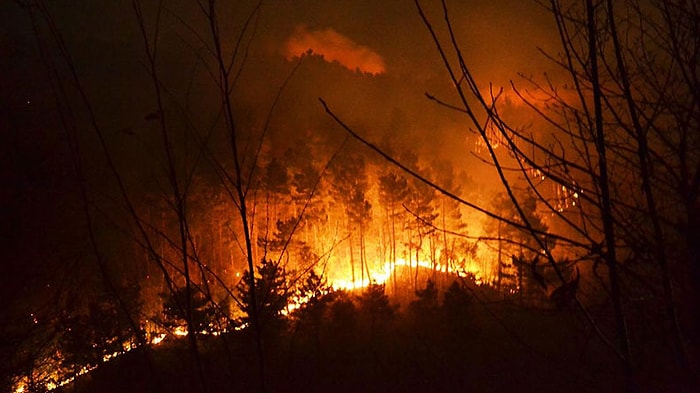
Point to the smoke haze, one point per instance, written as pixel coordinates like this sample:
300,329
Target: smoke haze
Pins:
333,46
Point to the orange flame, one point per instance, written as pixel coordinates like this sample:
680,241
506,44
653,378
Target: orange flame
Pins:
334,47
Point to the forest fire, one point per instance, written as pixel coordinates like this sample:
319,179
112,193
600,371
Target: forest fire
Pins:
57,378
383,275
156,335
345,228
380,195
356,225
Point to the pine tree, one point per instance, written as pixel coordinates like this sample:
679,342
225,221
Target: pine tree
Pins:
272,296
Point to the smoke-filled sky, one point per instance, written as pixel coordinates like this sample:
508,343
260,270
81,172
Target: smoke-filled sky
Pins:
386,40
373,61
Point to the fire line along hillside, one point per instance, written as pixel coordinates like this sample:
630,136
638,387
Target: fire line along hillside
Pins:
443,338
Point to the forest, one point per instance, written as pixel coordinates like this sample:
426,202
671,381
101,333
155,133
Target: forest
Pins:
207,196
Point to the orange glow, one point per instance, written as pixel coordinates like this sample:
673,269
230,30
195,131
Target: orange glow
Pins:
158,339
334,47
54,379
180,331
383,275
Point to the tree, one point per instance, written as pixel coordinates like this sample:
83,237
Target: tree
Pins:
274,294
312,291
350,188
375,308
609,160
456,305
421,225
427,297
176,316
182,147
313,297
393,192
513,241
451,221
342,312
425,309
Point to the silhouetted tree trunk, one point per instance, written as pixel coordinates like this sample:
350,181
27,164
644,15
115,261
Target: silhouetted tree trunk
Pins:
639,85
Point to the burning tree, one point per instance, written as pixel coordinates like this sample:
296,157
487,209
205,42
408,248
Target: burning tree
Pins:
350,188
421,225
393,192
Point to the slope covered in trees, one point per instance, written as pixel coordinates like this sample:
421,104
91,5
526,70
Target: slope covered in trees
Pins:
181,178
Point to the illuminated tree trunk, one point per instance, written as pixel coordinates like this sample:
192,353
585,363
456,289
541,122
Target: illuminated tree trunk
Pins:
418,248
447,252
393,245
363,254
352,259
433,255
362,257
500,260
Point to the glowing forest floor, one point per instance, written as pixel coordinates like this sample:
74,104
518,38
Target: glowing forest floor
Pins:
503,349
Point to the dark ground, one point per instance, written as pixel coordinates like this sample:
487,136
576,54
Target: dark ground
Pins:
538,351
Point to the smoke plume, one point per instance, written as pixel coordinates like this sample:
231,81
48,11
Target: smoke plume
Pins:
334,47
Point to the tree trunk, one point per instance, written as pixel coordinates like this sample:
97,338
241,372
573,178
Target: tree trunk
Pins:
605,199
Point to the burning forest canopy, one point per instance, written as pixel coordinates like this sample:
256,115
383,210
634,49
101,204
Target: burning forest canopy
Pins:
156,149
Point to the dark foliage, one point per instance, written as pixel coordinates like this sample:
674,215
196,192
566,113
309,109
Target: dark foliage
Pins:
424,310
272,294
86,336
374,306
456,307
175,310
331,349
